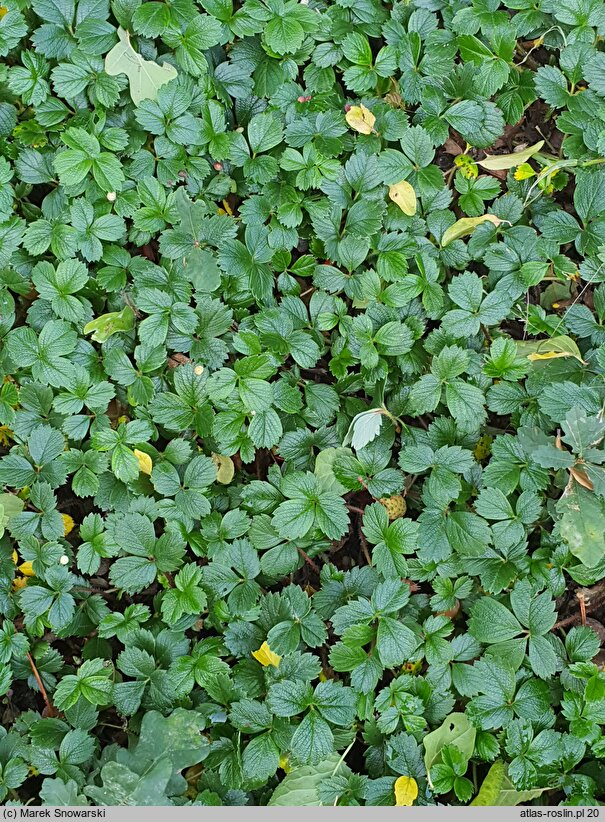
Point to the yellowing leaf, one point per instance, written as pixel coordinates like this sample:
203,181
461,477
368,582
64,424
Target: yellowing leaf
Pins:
6,435
225,468
300,787
265,656
551,349
406,791
107,324
284,764
3,11
498,162
68,524
483,448
524,172
497,789
27,569
468,167
144,76
465,226
19,583
582,524
145,462
456,729
403,195
549,355
360,119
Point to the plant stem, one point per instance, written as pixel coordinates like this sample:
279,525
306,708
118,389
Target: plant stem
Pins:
49,706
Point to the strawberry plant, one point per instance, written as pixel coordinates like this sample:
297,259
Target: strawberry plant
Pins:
302,346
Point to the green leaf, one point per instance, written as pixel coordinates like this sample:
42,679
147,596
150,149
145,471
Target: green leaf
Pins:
492,622
144,76
457,730
104,326
364,428
497,790
300,787
466,226
496,162
582,525
553,348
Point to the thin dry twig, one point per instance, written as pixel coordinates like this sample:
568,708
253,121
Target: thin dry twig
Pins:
308,560
50,708
355,509
364,546
582,602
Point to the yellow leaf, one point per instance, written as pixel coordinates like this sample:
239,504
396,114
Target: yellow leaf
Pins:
15,557
468,167
19,582
68,524
465,226
27,569
284,764
360,119
551,349
499,162
406,791
225,469
548,355
6,435
403,195
144,460
3,11
265,656
524,172
483,448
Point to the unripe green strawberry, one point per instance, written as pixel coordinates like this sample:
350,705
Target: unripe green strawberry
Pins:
395,506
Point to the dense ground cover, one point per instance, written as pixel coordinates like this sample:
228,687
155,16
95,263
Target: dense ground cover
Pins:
303,344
